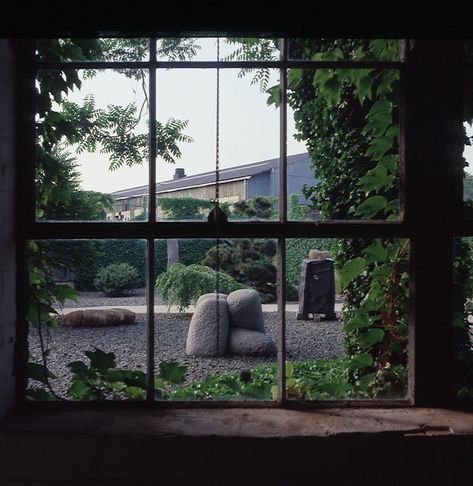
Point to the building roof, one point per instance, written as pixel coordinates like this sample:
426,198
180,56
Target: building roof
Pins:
225,175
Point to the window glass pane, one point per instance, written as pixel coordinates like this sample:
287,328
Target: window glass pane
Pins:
346,318
249,144
186,114
344,49
348,121
218,347
468,149
101,49
92,145
87,316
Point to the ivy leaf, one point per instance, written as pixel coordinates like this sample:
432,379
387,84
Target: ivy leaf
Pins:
294,77
375,179
331,91
372,336
258,392
101,360
392,207
79,390
39,372
372,206
289,369
352,269
39,394
375,252
274,97
390,162
359,321
63,292
364,88
172,372
360,361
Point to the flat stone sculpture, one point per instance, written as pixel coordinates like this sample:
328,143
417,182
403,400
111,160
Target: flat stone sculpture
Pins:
98,318
244,308
208,330
244,342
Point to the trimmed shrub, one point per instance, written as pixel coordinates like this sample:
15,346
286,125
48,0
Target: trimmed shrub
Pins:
116,279
183,285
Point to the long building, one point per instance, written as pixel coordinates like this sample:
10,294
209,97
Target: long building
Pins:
235,184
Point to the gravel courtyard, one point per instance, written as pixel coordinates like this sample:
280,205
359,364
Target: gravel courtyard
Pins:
305,340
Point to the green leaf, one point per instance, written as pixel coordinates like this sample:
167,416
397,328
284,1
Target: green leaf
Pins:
375,179
258,392
366,381
352,269
294,77
371,206
331,91
274,97
172,372
39,372
289,369
80,390
360,361
392,207
39,394
359,321
375,252
63,292
372,336
101,360
364,88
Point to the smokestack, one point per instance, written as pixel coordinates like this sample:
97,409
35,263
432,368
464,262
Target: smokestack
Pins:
179,174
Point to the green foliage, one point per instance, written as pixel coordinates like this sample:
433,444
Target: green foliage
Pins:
249,262
182,285
179,208
259,207
116,279
297,212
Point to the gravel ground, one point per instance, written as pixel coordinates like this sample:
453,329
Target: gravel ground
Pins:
96,299
305,340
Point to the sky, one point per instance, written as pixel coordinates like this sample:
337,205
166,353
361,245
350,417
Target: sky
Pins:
249,129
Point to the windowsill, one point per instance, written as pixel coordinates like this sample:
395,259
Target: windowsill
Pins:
247,423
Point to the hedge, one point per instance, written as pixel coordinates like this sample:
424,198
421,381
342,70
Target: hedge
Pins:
86,258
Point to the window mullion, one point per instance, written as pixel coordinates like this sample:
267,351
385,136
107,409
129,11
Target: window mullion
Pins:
281,294
151,218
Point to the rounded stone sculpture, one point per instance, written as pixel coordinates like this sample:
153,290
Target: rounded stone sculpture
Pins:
98,318
208,330
318,255
245,311
212,295
245,342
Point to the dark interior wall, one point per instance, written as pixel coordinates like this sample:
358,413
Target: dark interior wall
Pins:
7,243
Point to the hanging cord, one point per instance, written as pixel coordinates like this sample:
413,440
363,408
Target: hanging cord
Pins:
217,192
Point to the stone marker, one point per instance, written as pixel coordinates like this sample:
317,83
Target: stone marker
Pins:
244,309
244,342
208,335
98,318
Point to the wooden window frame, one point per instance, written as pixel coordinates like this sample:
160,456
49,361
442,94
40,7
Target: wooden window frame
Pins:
428,151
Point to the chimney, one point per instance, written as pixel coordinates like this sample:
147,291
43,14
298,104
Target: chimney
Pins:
179,174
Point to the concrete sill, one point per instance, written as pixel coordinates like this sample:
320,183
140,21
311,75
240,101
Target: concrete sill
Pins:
248,423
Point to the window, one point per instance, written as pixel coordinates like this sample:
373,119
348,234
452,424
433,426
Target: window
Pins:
404,220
